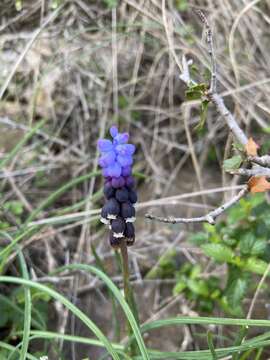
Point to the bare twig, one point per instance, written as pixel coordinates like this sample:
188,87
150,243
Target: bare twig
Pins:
230,119
210,217
240,136
256,171
209,39
260,160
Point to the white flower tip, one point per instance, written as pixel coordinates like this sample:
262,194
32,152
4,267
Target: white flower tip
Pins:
131,219
104,221
118,235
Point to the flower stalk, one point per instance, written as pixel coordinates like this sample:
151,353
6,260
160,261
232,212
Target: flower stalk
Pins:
118,212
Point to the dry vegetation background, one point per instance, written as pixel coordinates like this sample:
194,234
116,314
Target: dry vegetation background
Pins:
83,66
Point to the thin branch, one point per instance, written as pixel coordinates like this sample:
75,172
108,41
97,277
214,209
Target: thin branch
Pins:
217,100
260,160
239,134
255,171
210,217
209,40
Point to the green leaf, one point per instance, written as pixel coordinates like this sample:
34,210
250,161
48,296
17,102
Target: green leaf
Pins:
195,92
179,287
256,266
232,163
199,87
218,252
203,115
246,243
198,287
238,146
259,247
195,272
235,292
193,95
198,238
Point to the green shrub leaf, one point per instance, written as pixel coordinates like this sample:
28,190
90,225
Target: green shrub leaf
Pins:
218,252
232,163
256,266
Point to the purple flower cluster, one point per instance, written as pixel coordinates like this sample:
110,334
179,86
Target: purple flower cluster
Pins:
116,161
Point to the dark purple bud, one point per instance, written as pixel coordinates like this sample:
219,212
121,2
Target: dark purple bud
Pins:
121,195
104,216
115,242
112,208
128,211
132,196
129,234
130,181
108,190
118,227
129,231
118,182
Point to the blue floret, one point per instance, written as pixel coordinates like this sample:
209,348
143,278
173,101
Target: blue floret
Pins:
116,159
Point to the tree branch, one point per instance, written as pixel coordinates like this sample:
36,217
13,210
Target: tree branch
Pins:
209,40
260,160
210,217
255,171
264,162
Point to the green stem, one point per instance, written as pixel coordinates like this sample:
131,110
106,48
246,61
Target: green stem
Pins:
128,292
125,270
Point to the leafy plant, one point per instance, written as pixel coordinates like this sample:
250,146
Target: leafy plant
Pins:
241,241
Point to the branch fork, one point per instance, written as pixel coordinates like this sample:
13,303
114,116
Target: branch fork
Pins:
260,165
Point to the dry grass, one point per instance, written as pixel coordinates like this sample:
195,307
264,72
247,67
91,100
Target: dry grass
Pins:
83,67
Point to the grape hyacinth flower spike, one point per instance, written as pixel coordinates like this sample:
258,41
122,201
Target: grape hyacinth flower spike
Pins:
118,212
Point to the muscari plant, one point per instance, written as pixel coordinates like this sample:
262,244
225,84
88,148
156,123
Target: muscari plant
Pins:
118,212
234,244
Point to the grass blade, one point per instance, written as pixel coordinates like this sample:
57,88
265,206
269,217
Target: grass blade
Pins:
56,194
198,320
241,336
115,321
7,250
27,309
211,345
20,144
77,312
119,297
13,348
